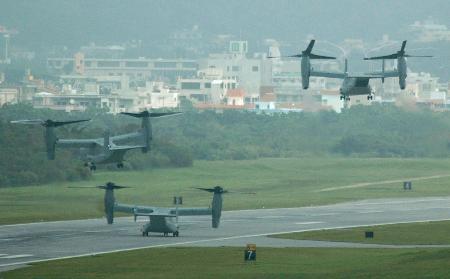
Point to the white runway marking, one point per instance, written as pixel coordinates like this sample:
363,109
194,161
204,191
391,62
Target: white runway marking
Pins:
365,184
309,223
323,214
370,211
271,217
16,256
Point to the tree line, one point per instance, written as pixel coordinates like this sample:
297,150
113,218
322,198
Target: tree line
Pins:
372,131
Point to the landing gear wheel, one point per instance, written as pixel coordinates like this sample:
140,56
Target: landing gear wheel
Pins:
342,97
144,233
93,168
347,99
370,97
176,234
120,165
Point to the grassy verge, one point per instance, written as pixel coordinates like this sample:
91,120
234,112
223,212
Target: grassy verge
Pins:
289,182
228,263
424,233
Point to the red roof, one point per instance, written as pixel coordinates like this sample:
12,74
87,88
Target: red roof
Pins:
236,93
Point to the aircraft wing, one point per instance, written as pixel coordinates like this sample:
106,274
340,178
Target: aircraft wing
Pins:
385,74
76,143
125,137
328,74
132,209
193,211
118,152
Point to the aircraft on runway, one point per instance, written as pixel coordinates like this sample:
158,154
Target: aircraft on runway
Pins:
161,219
104,150
354,84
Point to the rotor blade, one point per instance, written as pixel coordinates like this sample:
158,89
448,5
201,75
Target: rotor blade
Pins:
310,47
112,187
237,192
284,56
138,115
61,123
149,114
211,190
28,122
407,55
315,56
160,114
403,46
390,56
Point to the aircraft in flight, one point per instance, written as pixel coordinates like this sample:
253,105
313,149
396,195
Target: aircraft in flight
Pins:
161,219
106,150
354,83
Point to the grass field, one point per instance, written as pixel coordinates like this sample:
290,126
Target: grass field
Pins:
424,233
278,182
228,262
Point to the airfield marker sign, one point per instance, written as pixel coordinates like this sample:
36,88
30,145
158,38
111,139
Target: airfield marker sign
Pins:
250,252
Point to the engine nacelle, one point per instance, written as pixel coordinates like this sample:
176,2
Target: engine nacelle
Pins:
306,71
402,68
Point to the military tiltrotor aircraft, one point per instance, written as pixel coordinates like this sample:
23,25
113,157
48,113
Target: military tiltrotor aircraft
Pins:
353,84
161,219
104,150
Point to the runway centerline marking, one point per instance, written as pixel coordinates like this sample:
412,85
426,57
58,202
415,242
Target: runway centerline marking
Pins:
370,211
16,256
383,182
272,217
309,223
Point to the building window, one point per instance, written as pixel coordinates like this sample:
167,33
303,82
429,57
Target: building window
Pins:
190,85
207,84
189,65
136,64
255,68
108,64
235,46
165,64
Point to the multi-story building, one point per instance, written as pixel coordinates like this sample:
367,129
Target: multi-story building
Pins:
168,70
249,73
8,96
210,86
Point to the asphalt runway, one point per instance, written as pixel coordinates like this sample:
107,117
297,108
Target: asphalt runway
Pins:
27,243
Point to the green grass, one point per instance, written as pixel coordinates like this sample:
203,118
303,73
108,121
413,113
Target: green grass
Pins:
423,233
289,182
228,262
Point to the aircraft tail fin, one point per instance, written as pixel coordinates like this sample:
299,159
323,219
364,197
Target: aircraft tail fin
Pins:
146,124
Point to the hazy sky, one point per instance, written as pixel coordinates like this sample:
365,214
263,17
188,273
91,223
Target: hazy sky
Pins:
74,22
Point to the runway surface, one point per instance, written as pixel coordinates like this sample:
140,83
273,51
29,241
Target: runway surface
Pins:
26,243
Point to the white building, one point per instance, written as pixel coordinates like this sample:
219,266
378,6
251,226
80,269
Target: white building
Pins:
210,86
8,96
249,73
